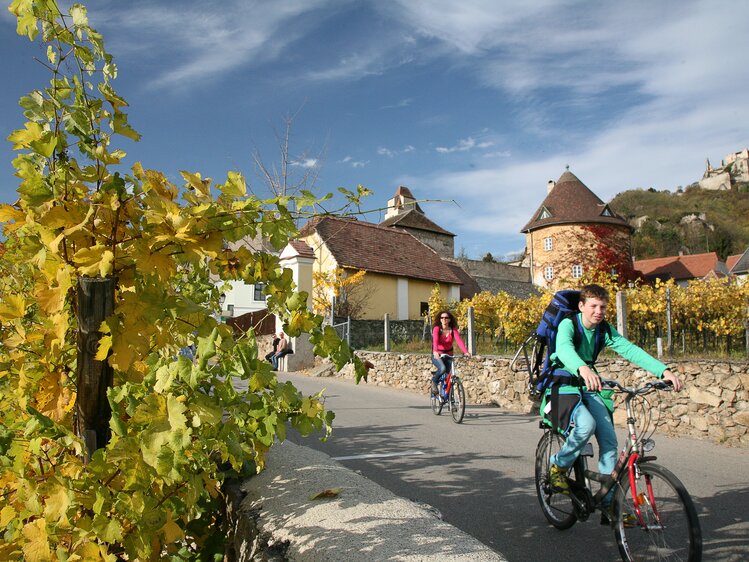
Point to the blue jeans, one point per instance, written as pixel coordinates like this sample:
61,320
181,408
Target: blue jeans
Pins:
443,364
276,356
590,417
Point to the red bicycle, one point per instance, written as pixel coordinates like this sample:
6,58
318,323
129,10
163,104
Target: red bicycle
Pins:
450,392
654,517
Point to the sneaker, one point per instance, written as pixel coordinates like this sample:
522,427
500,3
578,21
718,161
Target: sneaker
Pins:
607,517
558,479
434,388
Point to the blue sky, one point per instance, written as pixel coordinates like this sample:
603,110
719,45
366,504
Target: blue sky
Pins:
476,101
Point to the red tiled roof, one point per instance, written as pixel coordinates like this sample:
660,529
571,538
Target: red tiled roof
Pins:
738,264
302,248
679,268
369,247
570,202
414,219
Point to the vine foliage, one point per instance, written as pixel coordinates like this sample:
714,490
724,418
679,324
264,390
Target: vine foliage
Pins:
178,427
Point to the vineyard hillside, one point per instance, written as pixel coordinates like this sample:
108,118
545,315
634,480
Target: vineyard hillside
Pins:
690,221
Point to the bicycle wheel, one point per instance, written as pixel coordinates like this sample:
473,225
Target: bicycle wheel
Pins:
671,529
436,404
457,400
558,508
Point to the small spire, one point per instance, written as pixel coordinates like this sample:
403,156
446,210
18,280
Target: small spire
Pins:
567,167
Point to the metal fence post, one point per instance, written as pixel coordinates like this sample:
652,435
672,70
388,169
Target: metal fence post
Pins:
471,332
387,332
669,339
621,313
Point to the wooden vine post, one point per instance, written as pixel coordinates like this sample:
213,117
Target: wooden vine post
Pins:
92,411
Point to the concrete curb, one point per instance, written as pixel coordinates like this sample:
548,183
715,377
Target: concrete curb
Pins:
363,522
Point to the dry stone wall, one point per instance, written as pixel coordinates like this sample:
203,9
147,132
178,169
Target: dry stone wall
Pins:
714,404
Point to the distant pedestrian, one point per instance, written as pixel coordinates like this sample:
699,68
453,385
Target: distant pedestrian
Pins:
282,349
268,356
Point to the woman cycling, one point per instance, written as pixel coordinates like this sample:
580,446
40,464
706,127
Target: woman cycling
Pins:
444,333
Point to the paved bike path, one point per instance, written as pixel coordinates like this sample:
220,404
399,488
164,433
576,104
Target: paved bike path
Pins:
360,521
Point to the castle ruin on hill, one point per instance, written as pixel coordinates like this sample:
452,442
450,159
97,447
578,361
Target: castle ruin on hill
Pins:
732,170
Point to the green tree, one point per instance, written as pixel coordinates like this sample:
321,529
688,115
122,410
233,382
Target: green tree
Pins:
177,427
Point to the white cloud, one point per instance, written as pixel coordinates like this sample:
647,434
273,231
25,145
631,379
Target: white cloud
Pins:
354,163
402,103
391,153
306,163
203,43
464,145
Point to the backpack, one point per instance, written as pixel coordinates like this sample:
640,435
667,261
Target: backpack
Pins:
546,373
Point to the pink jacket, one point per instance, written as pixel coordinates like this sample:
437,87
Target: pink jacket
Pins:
444,344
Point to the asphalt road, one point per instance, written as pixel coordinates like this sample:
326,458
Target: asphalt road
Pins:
479,474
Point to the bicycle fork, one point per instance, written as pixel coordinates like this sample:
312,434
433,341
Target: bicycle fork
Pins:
634,476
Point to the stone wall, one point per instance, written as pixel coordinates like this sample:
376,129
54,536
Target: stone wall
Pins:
714,404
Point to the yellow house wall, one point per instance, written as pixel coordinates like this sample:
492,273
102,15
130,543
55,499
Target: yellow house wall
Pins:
383,296
571,245
382,289
418,292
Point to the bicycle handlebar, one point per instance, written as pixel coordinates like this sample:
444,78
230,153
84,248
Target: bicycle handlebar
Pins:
645,389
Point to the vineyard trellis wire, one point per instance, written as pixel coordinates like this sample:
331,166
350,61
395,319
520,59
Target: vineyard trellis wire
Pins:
707,317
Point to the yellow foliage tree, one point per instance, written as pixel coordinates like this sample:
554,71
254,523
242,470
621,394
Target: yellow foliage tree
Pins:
351,298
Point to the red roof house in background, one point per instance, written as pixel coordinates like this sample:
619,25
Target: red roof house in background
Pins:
682,269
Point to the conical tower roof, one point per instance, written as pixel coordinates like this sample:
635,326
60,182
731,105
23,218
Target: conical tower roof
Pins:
571,202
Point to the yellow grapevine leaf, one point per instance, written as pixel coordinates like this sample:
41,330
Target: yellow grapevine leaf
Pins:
9,213
329,493
93,260
164,266
105,344
56,506
22,138
234,186
172,531
36,548
79,14
202,186
6,516
14,306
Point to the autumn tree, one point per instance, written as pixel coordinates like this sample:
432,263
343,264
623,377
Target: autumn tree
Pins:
177,428
348,289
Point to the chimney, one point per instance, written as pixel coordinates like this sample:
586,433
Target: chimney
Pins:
549,186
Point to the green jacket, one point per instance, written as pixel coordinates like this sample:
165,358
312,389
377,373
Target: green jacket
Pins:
571,359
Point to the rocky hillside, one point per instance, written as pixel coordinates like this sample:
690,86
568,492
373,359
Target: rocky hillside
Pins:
692,221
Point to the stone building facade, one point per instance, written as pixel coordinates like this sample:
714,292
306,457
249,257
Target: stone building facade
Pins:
574,231
404,212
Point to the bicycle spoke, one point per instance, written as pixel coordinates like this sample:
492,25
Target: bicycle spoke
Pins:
667,527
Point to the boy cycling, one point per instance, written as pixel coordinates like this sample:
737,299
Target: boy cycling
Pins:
590,413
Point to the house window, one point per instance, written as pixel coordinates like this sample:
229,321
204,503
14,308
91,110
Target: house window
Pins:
259,296
548,273
577,271
548,244
423,309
